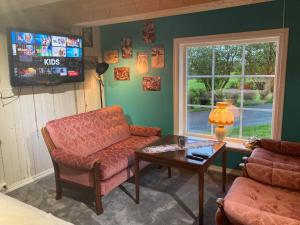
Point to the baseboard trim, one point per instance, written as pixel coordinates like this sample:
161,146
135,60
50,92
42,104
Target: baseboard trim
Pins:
218,169
29,180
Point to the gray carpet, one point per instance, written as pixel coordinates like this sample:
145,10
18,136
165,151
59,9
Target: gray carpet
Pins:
163,201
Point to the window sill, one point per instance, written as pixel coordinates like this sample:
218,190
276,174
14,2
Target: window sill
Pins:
237,147
232,145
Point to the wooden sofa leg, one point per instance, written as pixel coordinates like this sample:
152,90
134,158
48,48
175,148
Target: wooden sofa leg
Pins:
58,190
57,182
98,203
220,203
97,189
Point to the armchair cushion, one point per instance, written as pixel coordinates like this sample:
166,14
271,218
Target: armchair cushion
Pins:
144,131
249,202
275,160
274,168
274,176
283,147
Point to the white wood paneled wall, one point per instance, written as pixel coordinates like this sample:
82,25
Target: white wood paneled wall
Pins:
23,153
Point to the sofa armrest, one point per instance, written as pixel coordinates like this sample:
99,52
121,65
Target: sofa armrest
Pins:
283,147
145,131
71,160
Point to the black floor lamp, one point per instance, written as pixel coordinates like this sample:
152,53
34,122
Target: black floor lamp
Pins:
100,70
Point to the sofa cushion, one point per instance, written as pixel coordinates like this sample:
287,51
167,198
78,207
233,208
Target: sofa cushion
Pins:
274,176
283,147
275,160
291,148
249,202
87,133
274,169
144,131
120,156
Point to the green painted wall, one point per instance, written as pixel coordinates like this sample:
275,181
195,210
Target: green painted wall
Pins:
156,108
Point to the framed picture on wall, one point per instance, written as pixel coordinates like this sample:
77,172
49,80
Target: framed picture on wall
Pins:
151,83
122,73
142,62
87,34
126,46
111,57
149,32
158,57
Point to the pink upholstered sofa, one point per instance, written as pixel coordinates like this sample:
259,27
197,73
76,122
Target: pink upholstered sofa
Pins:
94,151
276,163
270,191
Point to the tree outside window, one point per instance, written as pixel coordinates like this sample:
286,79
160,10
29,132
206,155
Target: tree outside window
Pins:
241,74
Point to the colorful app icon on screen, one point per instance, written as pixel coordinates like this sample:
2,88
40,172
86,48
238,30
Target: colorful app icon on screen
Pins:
59,51
73,73
59,41
23,49
27,72
74,42
42,39
43,50
73,52
61,71
24,38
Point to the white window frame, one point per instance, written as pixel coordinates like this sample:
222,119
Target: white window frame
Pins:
179,73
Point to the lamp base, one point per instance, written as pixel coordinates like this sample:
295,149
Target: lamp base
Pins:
220,133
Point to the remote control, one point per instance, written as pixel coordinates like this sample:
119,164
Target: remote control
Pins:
194,157
200,155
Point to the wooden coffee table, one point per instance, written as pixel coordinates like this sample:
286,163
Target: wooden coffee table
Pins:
177,159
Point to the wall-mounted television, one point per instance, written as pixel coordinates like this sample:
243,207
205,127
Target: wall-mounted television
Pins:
41,58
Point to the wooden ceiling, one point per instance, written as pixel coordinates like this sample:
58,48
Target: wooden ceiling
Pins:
66,13
7,6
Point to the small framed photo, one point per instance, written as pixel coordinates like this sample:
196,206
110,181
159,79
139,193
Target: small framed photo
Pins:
158,57
122,73
111,57
126,46
87,34
151,83
149,32
142,62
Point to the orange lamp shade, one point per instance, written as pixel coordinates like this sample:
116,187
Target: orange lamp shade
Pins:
221,115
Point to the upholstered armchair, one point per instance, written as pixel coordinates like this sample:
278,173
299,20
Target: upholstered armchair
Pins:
270,191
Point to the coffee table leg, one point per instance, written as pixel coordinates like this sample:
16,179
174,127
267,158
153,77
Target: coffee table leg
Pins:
169,172
201,196
137,179
224,160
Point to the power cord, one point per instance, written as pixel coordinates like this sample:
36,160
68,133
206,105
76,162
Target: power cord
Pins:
12,97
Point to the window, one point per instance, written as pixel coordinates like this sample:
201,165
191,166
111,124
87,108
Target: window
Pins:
245,69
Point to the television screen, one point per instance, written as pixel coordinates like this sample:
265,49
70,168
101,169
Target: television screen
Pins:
42,58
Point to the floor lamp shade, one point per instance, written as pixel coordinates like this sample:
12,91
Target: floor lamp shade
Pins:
101,68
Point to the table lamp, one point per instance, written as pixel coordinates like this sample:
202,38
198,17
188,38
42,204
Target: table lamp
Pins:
221,116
